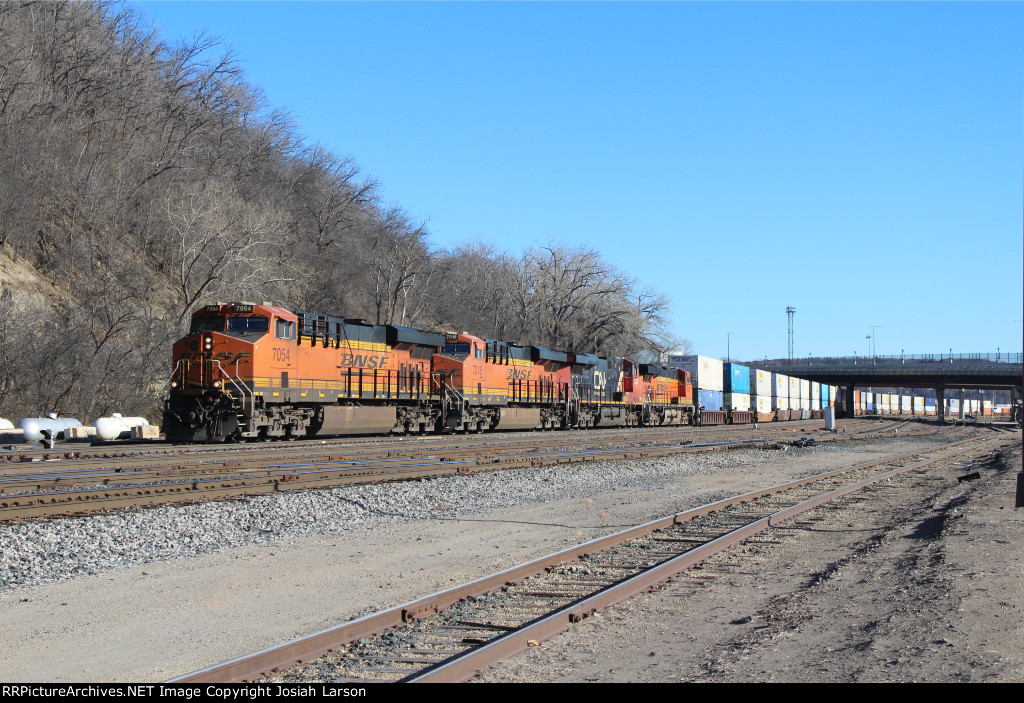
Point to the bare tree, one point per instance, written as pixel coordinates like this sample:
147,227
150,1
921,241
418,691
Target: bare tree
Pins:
221,244
401,268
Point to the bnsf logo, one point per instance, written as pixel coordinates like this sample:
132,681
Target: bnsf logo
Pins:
222,357
363,361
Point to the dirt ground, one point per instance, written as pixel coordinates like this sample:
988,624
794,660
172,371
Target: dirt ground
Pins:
919,585
925,588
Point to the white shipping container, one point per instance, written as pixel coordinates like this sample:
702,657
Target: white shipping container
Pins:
780,385
905,405
918,403
805,393
794,389
763,403
815,392
705,372
760,383
780,402
736,401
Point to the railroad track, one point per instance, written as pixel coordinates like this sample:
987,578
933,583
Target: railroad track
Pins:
76,490
147,455
449,635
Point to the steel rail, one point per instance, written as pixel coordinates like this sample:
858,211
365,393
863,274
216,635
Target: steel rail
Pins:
150,454
462,666
62,503
249,466
276,658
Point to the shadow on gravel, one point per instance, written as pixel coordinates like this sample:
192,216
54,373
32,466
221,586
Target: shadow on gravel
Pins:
930,528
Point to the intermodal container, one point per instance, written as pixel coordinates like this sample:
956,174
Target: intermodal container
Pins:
761,383
705,372
826,395
736,401
736,378
780,385
711,400
763,404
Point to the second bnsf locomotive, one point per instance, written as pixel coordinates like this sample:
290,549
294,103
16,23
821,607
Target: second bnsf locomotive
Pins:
248,371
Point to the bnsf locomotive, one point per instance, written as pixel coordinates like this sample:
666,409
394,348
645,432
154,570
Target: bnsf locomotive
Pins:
248,371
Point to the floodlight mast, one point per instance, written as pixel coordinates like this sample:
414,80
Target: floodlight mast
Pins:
790,311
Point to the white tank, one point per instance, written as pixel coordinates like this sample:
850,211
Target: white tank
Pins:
117,427
6,424
34,426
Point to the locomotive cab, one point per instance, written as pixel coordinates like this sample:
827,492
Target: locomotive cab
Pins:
212,384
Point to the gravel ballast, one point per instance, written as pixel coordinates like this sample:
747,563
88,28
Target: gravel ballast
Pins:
157,593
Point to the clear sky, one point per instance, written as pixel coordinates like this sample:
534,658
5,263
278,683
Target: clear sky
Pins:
860,161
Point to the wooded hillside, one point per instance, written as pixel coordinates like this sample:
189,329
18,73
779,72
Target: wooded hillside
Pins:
142,177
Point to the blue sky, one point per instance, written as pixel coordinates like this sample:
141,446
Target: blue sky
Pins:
859,161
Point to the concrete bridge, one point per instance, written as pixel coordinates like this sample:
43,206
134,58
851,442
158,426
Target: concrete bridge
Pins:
939,371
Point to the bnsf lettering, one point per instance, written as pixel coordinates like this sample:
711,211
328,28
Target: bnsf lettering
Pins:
222,357
363,361
519,374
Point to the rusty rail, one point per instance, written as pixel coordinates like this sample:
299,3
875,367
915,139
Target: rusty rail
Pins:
262,663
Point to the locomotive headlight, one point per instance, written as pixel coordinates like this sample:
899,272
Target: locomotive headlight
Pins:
174,384
216,384
207,343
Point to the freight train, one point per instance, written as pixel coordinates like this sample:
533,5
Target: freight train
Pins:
258,372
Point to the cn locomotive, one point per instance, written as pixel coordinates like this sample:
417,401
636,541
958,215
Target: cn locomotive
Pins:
258,372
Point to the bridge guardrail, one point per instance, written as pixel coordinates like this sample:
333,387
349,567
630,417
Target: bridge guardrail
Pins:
973,359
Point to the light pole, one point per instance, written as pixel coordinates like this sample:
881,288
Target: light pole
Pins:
874,336
728,346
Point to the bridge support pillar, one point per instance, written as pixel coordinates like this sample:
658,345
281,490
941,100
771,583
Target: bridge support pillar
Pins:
961,403
851,407
940,402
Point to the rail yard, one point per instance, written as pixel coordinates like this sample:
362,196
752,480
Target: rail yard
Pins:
409,535
210,581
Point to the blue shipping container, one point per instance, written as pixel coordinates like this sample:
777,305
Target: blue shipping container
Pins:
736,377
711,400
929,402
